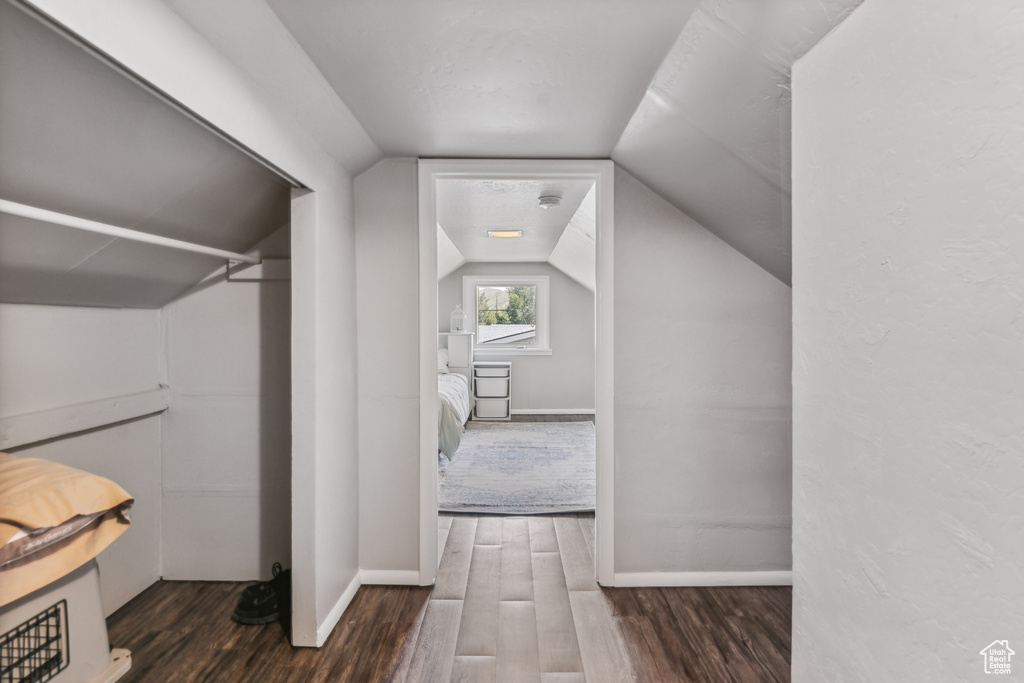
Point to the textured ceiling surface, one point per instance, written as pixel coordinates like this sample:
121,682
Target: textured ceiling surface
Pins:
81,139
693,99
576,251
690,97
250,35
467,209
489,78
712,134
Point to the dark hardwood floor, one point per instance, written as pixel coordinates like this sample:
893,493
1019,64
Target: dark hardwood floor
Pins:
514,600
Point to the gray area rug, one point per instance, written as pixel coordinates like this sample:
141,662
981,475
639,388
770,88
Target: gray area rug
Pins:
520,468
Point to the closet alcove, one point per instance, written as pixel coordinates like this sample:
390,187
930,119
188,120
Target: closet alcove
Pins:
164,369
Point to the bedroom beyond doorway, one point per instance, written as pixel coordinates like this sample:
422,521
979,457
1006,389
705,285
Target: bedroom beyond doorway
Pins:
516,317
535,464
544,261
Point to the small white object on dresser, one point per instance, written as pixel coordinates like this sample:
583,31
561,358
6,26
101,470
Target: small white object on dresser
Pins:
492,388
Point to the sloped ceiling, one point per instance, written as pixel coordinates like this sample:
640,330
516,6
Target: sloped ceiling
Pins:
467,209
562,235
489,78
712,134
250,35
690,97
576,251
79,138
693,99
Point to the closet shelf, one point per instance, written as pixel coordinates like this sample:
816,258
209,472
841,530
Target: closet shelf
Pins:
19,430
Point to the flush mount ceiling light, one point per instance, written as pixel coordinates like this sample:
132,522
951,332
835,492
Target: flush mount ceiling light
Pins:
504,233
549,201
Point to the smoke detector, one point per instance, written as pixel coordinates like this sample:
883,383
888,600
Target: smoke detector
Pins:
549,201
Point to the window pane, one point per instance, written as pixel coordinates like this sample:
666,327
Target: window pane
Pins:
506,315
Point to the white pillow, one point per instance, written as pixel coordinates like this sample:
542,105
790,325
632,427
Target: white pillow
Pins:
442,360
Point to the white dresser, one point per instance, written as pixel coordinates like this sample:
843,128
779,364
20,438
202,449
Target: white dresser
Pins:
492,388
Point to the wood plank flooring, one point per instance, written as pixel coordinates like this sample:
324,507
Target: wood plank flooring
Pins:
515,600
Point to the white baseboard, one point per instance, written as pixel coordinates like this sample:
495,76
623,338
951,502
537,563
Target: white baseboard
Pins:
737,578
334,616
553,411
389,577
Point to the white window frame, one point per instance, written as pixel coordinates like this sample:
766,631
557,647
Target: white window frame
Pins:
542,347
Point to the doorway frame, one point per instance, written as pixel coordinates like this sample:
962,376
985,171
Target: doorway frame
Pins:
602,173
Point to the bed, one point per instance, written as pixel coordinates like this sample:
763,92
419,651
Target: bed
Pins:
454,405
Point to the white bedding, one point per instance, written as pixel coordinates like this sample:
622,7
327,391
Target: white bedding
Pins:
453,409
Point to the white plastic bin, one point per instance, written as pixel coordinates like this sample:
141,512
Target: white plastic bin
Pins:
492,371
491,387
70,612
491,408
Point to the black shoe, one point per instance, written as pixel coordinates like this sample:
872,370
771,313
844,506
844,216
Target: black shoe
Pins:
267,601
262,587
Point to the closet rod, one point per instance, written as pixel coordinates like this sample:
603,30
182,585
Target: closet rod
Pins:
25,211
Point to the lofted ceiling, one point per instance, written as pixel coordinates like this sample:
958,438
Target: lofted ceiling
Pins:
467,209
691,98
576,251
489,78
712,134
562,235
82,139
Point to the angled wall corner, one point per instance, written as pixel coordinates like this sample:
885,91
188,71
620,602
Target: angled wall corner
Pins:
703,402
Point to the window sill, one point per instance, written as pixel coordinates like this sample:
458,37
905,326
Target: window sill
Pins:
511,351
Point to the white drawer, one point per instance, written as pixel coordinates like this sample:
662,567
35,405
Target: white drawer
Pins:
491,408
491,371
491,387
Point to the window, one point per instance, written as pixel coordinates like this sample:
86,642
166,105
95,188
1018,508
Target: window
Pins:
508,314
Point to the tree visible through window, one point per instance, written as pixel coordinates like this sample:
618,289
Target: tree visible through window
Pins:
507,314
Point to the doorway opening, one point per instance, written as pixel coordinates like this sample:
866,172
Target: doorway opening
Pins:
506,322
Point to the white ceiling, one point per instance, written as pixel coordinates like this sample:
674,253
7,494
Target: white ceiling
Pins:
249,34
81,139
449,258
693,99
576,251
467,209
489,78
712,134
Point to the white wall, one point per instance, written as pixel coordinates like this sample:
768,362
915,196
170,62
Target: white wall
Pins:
388,338
52,357
227,434
702,397
909,343
163,49
702,422
565,379
335,479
